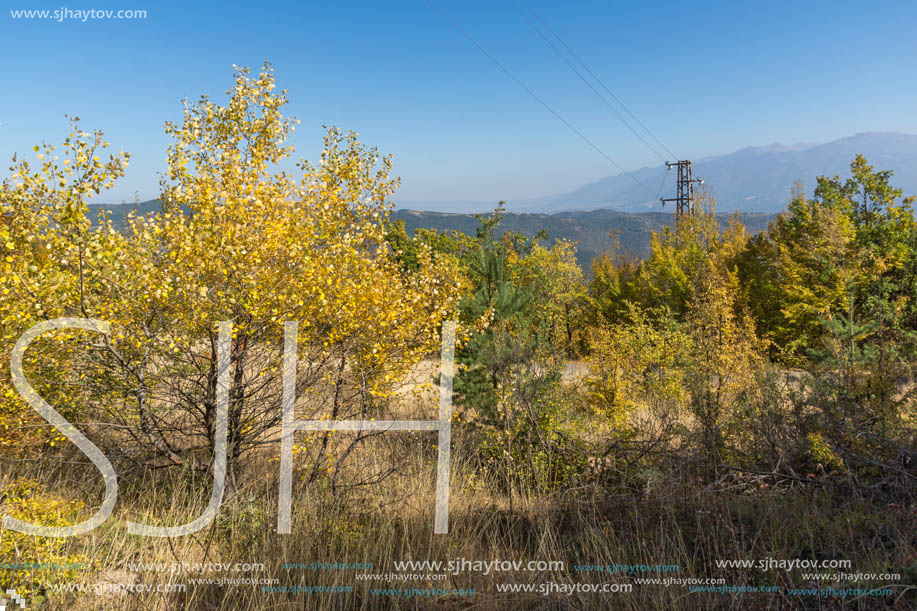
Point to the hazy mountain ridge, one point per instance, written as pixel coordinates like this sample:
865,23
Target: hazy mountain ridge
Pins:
756,181
118,212
753,179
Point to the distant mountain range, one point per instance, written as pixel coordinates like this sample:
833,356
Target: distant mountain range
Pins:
754,179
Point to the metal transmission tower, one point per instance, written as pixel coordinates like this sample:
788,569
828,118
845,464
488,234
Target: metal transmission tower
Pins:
684,198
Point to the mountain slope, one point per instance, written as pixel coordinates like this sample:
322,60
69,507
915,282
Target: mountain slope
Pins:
753,179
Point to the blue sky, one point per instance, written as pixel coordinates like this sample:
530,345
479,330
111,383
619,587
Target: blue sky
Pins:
707,78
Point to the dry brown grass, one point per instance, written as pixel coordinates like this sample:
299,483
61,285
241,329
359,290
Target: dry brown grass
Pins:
650,513
665,522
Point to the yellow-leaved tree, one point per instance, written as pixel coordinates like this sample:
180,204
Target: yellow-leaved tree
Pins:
684,349
238,239
559,291
53,265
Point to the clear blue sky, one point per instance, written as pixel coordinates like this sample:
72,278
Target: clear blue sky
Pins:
706,77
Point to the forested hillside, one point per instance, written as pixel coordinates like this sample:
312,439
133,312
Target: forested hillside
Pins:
593,231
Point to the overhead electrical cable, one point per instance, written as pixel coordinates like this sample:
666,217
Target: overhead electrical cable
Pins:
597,93
598,80
557,115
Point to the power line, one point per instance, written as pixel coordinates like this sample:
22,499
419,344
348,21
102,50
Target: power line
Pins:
598,80
662,184
458,28
586,81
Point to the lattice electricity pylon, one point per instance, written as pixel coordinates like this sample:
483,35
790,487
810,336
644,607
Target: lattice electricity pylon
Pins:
684,197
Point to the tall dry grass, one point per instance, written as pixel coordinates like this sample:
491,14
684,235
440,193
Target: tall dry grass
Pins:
637,518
